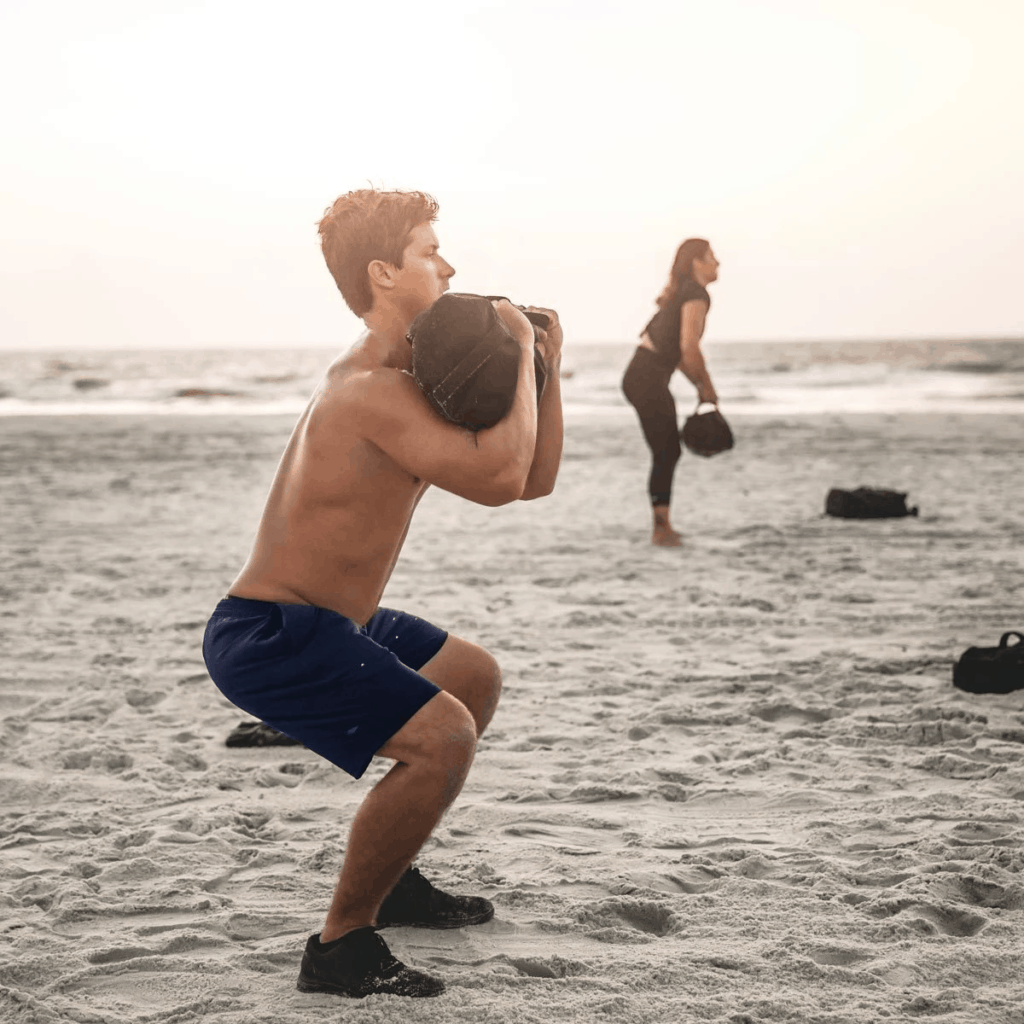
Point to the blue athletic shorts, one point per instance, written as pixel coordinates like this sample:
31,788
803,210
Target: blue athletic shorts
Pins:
341,689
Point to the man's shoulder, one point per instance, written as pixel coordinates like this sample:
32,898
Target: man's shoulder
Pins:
357,388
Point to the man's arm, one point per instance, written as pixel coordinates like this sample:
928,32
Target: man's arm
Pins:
691,362
547,455
491,466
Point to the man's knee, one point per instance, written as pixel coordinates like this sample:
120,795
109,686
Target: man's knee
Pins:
490,675
468,672
440,737
450,747
484,688
453,744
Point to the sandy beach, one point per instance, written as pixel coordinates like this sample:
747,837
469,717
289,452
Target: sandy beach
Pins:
729,783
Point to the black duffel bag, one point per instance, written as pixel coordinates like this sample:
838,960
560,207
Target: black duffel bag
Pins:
992,669
867,503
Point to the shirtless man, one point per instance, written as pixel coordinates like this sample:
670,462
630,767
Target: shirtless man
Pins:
301,641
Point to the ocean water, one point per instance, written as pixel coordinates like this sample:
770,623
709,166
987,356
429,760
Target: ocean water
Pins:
963,376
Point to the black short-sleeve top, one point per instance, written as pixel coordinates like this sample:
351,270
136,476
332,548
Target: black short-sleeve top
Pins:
663,327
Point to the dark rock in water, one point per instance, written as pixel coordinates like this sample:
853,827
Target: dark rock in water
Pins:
973,366
205,393
90,383
279,379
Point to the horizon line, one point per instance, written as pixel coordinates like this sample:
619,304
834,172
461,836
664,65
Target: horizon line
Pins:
920,339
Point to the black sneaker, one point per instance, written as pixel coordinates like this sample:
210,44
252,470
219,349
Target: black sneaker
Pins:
360,964
414,901
258,734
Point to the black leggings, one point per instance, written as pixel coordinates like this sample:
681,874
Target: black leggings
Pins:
645,385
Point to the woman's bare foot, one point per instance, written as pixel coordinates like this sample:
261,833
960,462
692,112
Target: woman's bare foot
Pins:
664,536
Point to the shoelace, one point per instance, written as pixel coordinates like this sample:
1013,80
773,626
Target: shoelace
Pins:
414,880
389,964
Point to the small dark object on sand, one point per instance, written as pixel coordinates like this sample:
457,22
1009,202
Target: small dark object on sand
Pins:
258,734
992,669
867,503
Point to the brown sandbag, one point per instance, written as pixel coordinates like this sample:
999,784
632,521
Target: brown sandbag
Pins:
706,433
466,361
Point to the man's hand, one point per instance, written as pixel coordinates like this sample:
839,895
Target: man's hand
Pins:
519,327
549,339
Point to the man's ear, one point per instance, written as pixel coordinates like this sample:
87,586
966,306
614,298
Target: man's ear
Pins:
382,274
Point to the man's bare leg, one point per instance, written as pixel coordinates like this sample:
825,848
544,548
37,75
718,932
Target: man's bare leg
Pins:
403,808
434,751
663,535
468,673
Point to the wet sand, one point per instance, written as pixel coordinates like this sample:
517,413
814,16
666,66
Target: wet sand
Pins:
730,782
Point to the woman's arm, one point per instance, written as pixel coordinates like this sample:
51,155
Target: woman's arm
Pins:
691,360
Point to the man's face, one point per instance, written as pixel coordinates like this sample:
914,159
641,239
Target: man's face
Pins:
423,277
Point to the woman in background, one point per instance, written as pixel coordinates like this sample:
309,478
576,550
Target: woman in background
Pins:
671,341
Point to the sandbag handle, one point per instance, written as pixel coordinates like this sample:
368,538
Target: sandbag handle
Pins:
1006,636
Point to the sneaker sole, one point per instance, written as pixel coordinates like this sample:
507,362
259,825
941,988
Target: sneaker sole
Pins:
312,987
317,986
433,925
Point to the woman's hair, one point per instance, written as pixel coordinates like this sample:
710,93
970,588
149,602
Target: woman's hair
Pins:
682,266
367,225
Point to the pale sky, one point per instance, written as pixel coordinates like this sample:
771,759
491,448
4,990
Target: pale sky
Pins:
858,165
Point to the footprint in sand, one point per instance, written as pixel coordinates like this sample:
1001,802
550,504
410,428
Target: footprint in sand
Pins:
786,713
930,918
243,927
985,833
977,892
105,760
645,916
833,956
697,879
144,699
547,967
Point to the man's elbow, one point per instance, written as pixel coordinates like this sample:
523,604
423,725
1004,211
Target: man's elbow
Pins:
537,490
509,485
496,497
